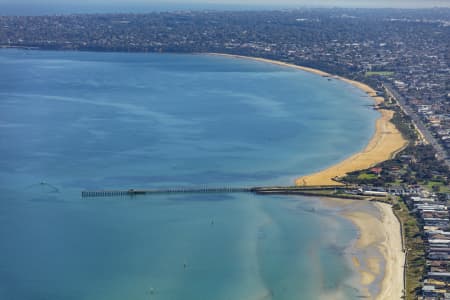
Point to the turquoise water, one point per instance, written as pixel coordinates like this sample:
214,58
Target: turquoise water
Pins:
71,121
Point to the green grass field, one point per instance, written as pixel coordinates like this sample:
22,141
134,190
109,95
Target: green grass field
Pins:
366,176
442,187
415,258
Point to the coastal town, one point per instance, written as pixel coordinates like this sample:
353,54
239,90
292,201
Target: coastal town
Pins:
434,216
405,50
415,181
403,55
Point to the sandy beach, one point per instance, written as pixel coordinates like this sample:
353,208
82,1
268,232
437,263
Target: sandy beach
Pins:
384,144
377,254
381,231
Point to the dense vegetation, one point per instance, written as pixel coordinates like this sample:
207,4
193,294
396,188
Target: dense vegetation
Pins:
414,249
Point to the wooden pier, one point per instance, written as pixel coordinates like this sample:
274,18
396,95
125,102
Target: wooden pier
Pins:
204,190
133,192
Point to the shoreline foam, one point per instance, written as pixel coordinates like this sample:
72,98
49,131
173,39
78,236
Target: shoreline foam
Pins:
384,144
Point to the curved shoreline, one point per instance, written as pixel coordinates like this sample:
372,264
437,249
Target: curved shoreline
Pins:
386,240
384,144
376,255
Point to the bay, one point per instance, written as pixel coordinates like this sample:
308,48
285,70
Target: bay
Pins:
71,121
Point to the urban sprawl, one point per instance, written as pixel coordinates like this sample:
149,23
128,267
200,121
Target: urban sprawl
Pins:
403,54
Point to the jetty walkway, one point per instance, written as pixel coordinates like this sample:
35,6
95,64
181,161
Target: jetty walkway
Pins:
257,190
133,192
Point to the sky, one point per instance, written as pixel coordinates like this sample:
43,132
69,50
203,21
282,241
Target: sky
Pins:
345,3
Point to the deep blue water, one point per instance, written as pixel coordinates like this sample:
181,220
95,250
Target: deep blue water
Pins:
71,121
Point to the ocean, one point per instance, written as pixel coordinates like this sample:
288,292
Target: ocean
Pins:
74,121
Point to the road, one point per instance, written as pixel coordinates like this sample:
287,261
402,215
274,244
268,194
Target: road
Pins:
440,151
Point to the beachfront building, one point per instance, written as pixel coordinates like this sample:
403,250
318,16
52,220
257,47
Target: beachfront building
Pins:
434,217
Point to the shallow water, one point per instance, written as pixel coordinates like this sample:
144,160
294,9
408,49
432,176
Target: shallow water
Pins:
71,121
